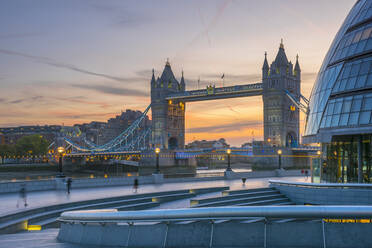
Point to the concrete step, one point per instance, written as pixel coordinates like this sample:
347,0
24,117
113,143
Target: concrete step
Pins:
242,191
30,211
172,197
279,201
19,221
196,201
231,202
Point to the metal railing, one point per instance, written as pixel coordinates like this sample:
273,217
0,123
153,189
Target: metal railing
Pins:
217,213
322,185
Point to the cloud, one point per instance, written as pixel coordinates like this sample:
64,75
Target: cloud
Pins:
226,127
80,99
211,24
308,76
112,90
19,35
68,115
206,27
145,74
28,99
121,16
54,63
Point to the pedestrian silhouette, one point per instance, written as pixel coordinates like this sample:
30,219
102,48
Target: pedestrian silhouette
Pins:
68,183
135,185
22,195
243,180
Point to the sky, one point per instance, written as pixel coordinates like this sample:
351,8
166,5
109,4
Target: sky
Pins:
76,61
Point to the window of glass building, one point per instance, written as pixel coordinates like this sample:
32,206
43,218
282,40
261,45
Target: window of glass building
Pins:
341,164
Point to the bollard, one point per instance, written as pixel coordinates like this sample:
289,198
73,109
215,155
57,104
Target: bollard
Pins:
244,179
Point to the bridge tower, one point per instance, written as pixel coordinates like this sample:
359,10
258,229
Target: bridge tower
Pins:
281,117
168,117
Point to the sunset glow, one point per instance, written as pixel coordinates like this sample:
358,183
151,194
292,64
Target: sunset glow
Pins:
94,75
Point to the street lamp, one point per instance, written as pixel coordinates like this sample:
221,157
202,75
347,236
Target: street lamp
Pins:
61,151
157,151
280,158
228,151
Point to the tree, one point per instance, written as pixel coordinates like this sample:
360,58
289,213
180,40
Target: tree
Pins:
32,145
7,150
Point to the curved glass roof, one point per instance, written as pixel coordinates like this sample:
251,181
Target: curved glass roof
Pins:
342,94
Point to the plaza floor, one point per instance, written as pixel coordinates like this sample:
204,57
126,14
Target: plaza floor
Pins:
47,238
45,198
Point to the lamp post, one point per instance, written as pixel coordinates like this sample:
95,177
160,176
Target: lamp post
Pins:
157,151
61,151
280,158
228,151
319,153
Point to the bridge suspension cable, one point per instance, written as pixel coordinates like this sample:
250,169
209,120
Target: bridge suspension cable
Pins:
117,142
303,107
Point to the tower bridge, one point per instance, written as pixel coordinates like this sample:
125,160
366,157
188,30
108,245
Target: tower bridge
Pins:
280,89
281,113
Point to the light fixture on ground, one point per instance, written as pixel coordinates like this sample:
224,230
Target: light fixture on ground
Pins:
61,152
280,158
228,152
157,151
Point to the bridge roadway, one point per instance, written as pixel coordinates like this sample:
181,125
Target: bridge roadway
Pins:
212,93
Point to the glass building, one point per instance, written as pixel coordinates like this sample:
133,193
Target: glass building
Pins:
341,101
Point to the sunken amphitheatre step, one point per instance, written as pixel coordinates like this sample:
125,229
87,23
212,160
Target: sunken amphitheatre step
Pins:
45,215
232,202
200,200
241,191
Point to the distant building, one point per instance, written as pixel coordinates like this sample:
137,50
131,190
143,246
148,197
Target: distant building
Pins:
102,132
117,125
92,131
216,144
10,135
247,145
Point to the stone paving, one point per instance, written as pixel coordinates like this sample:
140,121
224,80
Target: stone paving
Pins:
45,239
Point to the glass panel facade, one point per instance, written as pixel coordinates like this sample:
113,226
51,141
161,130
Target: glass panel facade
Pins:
320,97
354,75
341,159
356,42
340,75
364,14
348,111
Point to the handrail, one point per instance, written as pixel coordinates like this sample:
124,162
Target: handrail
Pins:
323,185
214,213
